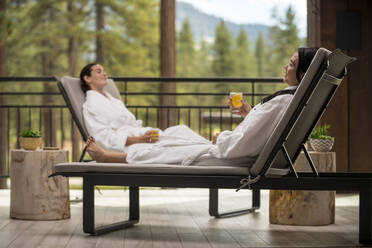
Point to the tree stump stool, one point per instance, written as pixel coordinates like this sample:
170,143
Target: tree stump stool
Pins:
34,196
302,207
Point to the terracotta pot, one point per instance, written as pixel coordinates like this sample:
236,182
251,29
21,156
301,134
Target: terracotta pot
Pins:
29,143
322,145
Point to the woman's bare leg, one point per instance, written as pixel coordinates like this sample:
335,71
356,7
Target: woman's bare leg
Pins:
103,156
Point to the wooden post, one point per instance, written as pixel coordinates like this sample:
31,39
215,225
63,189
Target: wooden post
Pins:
167,61
313,23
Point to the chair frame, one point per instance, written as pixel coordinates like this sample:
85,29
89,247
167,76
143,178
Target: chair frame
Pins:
357,182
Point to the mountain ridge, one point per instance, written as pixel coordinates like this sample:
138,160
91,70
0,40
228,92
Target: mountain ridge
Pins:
203,25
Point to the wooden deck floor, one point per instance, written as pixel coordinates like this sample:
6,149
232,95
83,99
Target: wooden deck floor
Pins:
179,218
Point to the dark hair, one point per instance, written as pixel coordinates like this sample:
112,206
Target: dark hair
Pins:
305,56
86,71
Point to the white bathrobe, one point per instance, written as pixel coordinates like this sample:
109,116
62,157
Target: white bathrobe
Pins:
232,147
111,123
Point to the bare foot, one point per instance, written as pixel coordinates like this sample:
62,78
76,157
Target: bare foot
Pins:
95,151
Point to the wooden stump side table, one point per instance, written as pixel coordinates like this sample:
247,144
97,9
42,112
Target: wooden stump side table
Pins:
302,207
34,196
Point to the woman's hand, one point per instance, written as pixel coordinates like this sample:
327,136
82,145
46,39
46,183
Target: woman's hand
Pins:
151,136
146,138
242,111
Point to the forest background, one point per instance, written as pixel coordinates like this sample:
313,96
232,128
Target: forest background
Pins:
49,37
58,37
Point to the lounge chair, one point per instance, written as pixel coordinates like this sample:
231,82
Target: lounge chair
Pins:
75,98
273,168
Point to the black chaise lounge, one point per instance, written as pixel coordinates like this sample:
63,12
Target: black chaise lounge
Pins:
273,168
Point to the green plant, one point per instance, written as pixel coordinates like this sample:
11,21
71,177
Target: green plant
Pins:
321,132
29,133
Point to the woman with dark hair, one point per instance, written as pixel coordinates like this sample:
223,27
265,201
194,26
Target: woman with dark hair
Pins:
113,126
86,71
240,146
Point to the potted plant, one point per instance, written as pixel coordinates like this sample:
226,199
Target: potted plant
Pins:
320,140
30,139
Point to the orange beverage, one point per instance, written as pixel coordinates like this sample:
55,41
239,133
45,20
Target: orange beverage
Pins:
236,98
154,134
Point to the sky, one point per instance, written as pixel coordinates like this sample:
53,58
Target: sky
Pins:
252,11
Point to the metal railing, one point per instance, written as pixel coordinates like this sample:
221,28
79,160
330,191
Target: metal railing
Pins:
39,105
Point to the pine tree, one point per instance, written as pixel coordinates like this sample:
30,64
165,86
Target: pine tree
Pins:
244,61
37,44
44,30
131,38
185,51
260,54
203,60
245,64
285,39
222,64
203,68
185,58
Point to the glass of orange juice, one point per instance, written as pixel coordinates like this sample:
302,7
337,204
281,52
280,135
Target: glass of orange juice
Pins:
154,134
236,99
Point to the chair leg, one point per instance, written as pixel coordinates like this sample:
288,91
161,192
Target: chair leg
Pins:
365,216
213,204
88,211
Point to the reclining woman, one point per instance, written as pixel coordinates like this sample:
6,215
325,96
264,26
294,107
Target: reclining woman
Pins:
240,146
114,127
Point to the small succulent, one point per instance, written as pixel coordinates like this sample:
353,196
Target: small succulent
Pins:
321,132
29,133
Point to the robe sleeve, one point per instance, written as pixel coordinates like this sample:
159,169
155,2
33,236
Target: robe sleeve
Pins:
101,129
251,135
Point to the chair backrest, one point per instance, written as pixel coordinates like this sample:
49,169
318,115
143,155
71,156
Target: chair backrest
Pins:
307,106
74,96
